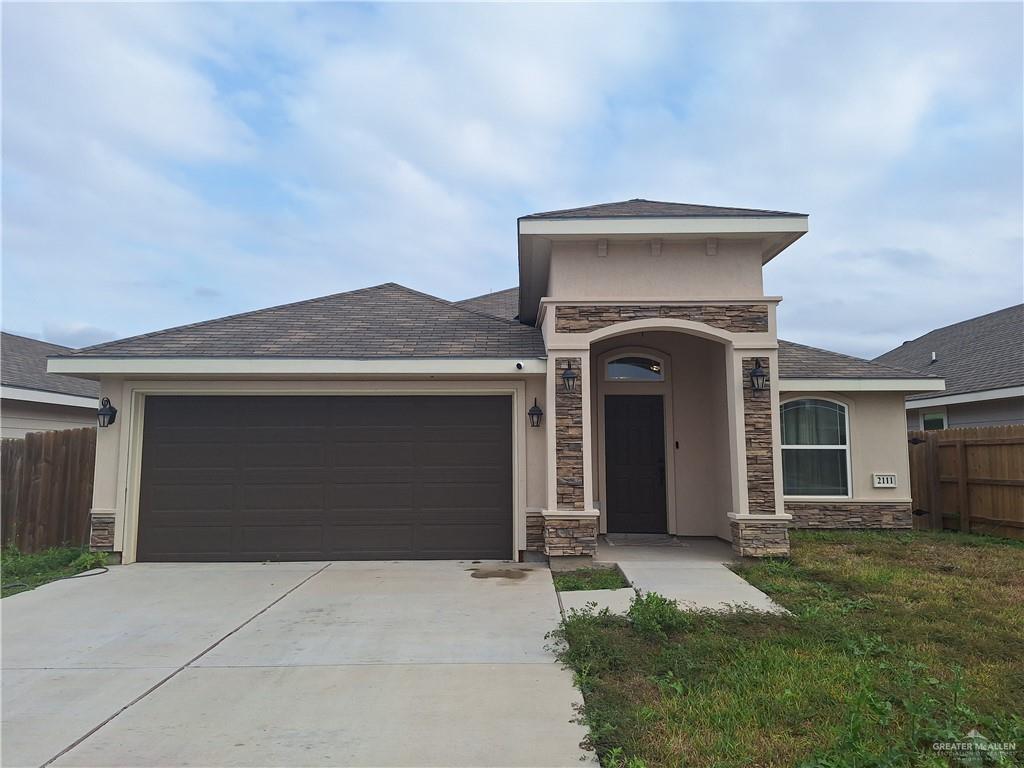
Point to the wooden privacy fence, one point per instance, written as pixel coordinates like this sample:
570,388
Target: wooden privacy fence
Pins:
46,488
969,480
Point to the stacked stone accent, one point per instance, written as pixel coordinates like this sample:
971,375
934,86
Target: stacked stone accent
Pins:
534,532
569,437
760,538
570,536
816,514
101,532
757,425
736,318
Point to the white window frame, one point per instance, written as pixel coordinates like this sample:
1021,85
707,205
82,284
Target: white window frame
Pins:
622,354
847,448
937,412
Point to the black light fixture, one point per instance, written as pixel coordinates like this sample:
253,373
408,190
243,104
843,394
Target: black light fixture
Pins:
569,377
535,414
758,376
107,414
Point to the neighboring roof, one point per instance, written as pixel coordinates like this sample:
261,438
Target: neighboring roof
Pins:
385,321
503,304
983,353
23,365
638,208
798,361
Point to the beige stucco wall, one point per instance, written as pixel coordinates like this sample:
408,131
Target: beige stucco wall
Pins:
878,441
19,417
699,486
684,270
118,454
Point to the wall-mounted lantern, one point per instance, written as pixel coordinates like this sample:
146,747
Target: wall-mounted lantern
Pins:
758,377
107,414
569,377
535,414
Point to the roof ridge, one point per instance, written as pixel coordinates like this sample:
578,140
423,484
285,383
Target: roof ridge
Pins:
489,293
455,305
37,341
661,202
895,368
954,325
235,315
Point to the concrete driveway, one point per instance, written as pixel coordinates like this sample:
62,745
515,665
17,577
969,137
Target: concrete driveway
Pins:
368,664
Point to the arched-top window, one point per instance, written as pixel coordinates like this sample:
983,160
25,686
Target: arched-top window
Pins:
634,368
815,448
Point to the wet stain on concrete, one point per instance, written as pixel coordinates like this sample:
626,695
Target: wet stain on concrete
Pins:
499,573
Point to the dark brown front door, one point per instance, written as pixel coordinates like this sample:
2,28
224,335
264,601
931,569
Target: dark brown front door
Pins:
326,478
634,438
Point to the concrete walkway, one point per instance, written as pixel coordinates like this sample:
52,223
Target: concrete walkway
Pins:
692,571
288,664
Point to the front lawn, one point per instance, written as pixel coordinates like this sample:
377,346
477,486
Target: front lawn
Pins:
589,578
897,641
19,572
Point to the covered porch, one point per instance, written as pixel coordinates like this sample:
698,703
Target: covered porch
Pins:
665,431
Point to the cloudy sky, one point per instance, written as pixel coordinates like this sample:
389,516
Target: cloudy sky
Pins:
164,164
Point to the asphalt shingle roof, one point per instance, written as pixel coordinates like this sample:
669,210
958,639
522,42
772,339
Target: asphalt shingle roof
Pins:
385,321
23,364
798,361
986,352
504,304
638,208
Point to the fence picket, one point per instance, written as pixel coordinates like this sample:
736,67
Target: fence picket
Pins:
46,483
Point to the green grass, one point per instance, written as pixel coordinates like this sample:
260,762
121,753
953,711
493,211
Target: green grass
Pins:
896,641
589,578
19,572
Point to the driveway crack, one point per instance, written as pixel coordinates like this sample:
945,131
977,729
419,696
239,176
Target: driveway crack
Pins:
184,666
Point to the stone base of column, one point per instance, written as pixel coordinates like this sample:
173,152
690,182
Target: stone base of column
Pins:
101,532
570,535
760,538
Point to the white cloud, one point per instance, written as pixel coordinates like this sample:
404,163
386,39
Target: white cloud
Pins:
166,163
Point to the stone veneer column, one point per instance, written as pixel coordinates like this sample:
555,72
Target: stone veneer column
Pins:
569,528
757,536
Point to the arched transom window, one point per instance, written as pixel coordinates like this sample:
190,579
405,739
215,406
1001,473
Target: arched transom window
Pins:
634,368
815,448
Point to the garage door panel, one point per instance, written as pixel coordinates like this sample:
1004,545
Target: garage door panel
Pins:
371,495
326,477
282,496
381,539
443,541
188,542
274,540
201,456
367,454
282,454
459,495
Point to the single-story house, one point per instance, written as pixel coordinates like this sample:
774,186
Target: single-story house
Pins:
32,400
633,382
982,362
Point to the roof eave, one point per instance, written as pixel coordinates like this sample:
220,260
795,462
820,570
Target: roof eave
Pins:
97,367
860,384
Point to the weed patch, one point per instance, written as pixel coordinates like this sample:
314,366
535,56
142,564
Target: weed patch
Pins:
20,572
895,642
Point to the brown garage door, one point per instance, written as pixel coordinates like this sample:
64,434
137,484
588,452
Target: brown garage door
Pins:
326,478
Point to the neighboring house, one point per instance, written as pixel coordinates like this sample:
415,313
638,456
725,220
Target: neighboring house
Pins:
384,423
982,362
32,400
